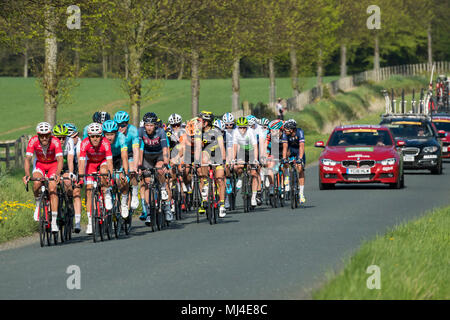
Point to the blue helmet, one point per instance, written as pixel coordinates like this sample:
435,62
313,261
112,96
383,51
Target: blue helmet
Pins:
110,126
121,116
219,124
72,129
228,118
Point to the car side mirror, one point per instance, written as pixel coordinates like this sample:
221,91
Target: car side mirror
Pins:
442,134
401,143
319,144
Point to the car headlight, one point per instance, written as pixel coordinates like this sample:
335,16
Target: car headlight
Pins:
430,149
388,162
329,162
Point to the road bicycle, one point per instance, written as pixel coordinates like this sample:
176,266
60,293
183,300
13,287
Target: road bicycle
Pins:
247,182
45,216
65,211
100,225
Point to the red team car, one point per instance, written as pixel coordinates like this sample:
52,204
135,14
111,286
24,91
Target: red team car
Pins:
442,124
361,154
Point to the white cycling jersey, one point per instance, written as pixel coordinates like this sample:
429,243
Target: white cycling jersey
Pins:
246,141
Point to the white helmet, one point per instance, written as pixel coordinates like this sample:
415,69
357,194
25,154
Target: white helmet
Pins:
174,118
228,118
94,129
43,128
219,124
252,121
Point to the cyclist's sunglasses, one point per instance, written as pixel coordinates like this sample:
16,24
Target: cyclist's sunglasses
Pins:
230,125
44,136
96,136
123,124
176,125
62,138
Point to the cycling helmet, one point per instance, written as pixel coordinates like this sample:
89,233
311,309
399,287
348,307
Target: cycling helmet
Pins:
290,125
101,116
206,116
150,117
43,128
73,130
242,122
228,118
121,116
264,122
175,118
251,120
60,130
110,126
219,124
94,129
276,124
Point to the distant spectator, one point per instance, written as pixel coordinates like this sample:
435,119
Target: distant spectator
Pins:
280,109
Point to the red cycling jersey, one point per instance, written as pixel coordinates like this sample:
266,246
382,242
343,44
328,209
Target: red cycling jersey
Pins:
44,154
95,155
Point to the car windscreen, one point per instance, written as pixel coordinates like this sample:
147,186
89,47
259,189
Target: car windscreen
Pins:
442,125
360,137
410,129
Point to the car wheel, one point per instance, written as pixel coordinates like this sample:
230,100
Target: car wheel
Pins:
438,169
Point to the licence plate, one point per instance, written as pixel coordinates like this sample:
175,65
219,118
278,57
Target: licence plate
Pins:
408,158
445,149
358,171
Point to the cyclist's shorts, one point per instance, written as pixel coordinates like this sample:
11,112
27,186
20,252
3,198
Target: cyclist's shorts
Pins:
46,169
246,156
150,160
93,167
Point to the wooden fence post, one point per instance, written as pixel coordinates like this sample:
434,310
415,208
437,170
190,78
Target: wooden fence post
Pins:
16,154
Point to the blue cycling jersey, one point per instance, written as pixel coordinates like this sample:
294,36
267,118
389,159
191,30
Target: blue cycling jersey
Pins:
132,137
119,144
294,142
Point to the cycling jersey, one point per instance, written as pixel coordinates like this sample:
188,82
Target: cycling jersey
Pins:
280,140
246,141
43,154
119,144
72,148
95,155
45,157
294,143
131,138
210,142
153,144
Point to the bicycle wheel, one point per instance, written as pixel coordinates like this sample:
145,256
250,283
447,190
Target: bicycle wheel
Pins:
292,189
94,216
127,223
60,221
108,225
68,221
101,221
216,206
245,191
42,223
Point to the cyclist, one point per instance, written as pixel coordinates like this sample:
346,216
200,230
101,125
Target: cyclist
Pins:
132,141
174,133
275,146
296,150
228,120
154,152
209,141
260,134
119,150
245,149
95,156
48,163
98,117
73,153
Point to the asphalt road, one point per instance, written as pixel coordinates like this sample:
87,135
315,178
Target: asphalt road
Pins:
267,254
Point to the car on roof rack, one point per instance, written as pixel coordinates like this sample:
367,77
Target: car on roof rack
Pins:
360,154
423,148
442,124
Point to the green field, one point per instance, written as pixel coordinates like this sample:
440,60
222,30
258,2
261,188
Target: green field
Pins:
21,101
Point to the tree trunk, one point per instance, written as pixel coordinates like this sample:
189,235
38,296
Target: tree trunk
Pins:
272,88
104,64
376,55
430,54
77,60
195,83
135,84
294,72
343,60
50,80
25,60
126,64
320,70
235,85
156,68
180,73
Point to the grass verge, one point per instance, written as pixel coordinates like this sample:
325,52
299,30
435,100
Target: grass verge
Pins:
413,260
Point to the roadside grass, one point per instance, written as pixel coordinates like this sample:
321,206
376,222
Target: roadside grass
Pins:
21,100
413,258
